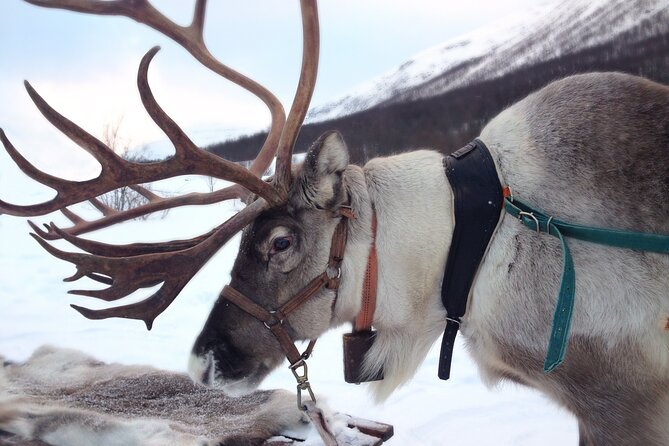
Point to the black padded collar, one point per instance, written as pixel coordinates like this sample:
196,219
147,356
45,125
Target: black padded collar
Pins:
478,199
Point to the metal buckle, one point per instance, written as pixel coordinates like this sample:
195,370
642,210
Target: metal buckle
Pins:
302,382
274,322
510,196
532,216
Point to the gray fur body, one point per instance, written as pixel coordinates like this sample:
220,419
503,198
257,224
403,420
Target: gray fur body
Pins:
593,150
66,398
590,149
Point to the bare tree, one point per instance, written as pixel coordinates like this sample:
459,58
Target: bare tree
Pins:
125,197
210,182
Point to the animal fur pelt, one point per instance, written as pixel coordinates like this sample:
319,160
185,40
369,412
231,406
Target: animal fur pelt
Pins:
64,397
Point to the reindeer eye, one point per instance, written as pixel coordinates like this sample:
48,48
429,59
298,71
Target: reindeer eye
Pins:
281,244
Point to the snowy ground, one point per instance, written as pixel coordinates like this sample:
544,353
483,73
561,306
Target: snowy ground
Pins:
34,310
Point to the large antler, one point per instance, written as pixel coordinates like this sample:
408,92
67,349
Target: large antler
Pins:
126,268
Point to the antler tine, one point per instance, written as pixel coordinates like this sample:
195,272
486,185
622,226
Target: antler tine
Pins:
187,151
46,235
171,265
182,143
305,89
190,38
74,218
197,25
194,198
127,274
27,167
117,172
107,158
144,192
134,249
100,206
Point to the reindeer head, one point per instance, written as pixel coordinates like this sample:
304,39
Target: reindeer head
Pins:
282,251
289,221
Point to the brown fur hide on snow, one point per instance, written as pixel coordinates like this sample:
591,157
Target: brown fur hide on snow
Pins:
64,397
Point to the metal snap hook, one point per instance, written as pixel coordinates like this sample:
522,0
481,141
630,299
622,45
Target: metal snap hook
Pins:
302,379
301,363
304,386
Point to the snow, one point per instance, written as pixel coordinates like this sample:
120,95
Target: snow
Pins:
163,148
547,30
34,311
34,301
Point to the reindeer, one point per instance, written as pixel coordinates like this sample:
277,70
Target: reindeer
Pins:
589,149
64,397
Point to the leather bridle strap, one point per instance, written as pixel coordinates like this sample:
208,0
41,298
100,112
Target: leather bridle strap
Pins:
275,320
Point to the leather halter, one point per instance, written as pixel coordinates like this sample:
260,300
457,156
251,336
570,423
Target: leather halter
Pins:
275,320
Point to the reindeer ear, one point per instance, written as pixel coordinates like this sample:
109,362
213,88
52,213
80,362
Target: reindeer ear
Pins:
320,182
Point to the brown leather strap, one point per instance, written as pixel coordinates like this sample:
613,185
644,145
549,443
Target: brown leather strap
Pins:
305,294
337,248
246,304
281,334
365,318
275,320
310,349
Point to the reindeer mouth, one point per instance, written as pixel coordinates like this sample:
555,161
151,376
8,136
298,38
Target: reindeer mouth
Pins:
202,370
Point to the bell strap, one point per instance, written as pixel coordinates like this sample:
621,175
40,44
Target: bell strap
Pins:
365,318
540,222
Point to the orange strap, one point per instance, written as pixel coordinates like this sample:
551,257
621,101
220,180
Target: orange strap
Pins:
363,322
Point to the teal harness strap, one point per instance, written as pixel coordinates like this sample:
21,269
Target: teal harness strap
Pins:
540,222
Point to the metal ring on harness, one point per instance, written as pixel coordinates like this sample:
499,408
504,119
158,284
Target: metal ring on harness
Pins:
333,272
275,321
548,225
532,216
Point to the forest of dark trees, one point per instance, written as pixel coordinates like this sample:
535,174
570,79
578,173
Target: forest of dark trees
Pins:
450,120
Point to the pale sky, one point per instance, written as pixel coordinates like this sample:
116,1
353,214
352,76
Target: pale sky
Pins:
85,66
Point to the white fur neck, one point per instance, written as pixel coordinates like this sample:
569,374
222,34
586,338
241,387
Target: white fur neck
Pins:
413,200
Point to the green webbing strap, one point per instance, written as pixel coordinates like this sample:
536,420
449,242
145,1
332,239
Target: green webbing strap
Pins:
540,222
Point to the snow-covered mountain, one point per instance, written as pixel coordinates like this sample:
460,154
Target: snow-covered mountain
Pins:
549,30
